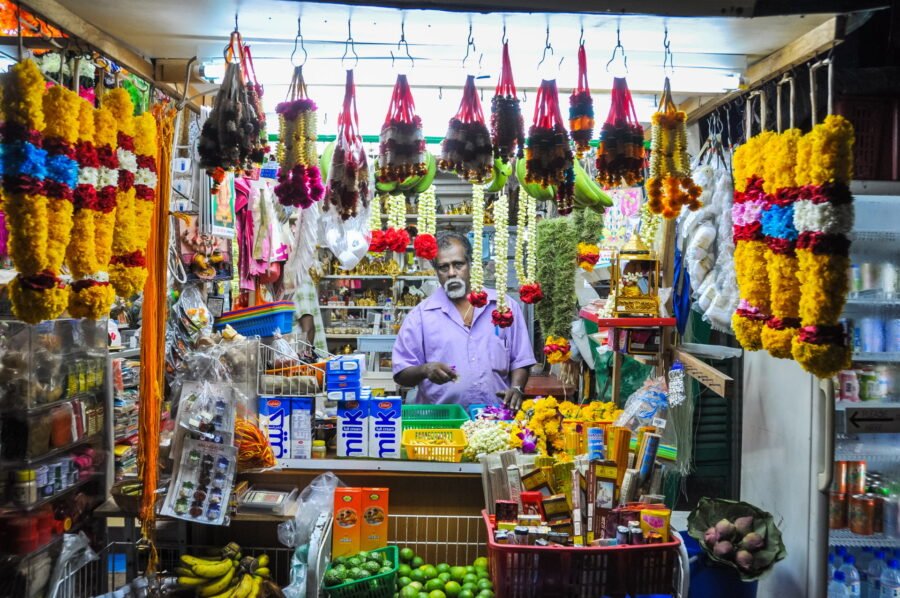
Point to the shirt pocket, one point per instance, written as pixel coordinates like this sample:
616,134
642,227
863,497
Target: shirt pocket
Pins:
498,353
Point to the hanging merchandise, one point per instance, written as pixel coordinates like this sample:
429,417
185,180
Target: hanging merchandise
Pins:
477,295
503,315
425,244
549,158
466,149
589,225
823,217
259,149
556,255
507,124
581,109
396,238
526,263
620,155
299,179
376,244
401,151
348,175
670,185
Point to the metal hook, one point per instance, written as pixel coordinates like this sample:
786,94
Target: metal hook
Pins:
668,56
547,47
235,21
618,47
470,46
299,38
812,85
350,46
581,35
559,66
404,44
440,92
785,79
503,38
187,81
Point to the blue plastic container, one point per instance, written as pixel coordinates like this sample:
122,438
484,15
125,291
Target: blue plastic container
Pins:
263,325
711,579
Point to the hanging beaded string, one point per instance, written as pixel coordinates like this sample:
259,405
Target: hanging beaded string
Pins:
427,207
521,238
676,384
396,211
531,256
375,212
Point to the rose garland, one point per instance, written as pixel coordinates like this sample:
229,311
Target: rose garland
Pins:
105,130
299,180
526,263
503,315
145,181
780,236
477,295
425,244
823,217
395,237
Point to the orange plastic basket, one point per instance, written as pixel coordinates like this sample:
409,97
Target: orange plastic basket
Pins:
316,370
420,445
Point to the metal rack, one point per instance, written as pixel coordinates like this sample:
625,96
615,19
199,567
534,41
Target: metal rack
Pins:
285,380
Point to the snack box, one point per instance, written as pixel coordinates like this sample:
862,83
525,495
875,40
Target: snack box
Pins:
275,423
302,427
353,429
346,364
335,381
385,427
344,394
345,539
374,520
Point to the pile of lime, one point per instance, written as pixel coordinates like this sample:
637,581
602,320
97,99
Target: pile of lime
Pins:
358,567
418,579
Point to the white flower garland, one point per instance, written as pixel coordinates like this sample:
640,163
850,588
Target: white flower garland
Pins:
531,256
397,211
89,175
146,177
427,214
477,275
127,160
521,237
501,248
375,211
108,177
826,218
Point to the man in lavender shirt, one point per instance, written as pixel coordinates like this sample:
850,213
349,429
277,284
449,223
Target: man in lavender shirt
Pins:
451,350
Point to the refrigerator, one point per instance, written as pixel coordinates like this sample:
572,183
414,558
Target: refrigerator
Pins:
796,426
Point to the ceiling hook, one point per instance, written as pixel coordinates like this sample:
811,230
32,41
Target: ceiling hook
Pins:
547,47
187,81
668,56
350,46
503,39
470,46
299,38
235,21
619,48
581,35
440,92
404,44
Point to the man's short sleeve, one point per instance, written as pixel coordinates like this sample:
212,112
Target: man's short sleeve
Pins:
409,348
521,353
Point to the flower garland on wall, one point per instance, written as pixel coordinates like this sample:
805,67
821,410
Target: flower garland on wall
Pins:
556,256
823,217
425,244
526,263
105,129
299,179
477,295
503,315
780,236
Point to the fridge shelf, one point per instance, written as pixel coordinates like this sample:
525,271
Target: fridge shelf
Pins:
869,456
876,357
844,537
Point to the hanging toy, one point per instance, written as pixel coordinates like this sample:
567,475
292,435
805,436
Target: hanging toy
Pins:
503,315
507,124
477,295
548,157
401,151
581,109
620,155
348,176
299,179
467,147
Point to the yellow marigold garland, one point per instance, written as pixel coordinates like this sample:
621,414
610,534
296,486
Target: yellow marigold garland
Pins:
670,185
145,180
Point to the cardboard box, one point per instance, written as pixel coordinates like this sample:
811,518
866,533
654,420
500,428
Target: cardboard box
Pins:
385,427
348,377
353,429
374,531
346,364
275,422
302,427
344,394
347,525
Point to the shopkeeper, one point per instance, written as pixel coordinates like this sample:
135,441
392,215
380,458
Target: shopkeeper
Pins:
450,350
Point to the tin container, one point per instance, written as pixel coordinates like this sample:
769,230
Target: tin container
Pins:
856,477
877,513
839,482
837,510
848,383
622,535
861,514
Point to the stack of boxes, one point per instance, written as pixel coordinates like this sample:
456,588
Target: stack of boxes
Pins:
288,422
360,520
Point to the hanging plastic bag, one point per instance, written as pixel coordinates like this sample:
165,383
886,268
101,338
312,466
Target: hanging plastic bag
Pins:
620,155
581,109
316,498
348,239
76,553
548,157
647,406
507,124
299,179
466,149
348,176
401,151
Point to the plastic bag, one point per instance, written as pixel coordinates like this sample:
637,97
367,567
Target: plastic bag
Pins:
193,317
348,176
466,148
549,160
76,553
316,498
401,151
348,239
284,355
581,109
647,406
507,124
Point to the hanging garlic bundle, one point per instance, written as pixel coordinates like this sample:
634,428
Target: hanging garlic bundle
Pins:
477,295
503,315
425,244
299,180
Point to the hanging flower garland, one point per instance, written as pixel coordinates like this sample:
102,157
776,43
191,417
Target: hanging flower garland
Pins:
477,295
401,151
589,225
670,185
503,315
549,158
395,237
106,132
620,155
526,263
145,181
466,148
588,256
507,124
556,258
299,179
581,109
780,236
749,246
348,176
24,201
823,217
376,244
425,244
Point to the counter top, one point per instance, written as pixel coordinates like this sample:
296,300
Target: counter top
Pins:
381,465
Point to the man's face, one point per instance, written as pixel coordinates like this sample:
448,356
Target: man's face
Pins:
452,270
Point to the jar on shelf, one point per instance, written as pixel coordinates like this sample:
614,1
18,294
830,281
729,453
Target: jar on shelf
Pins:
319,450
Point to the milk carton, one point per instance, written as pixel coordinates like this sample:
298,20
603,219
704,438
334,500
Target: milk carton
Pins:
301,427
275,422
385,427
353,429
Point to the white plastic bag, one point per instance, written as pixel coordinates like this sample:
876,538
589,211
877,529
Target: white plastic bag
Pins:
347,239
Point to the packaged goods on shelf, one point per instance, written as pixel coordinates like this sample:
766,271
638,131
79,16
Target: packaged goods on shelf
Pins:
385,427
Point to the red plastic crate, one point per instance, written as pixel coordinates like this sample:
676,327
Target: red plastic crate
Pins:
592,572
876,120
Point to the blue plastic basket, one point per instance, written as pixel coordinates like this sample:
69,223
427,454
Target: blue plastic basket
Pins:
262,325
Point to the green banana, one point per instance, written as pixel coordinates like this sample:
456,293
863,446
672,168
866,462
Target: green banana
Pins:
587,192
257,584
428,178
219,585
184,572
207,568
243,588
535,190
325,161
501,173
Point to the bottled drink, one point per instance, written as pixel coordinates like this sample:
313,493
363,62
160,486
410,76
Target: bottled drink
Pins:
831,568
891,515
851,577
873,587
837,589
890,580
839,553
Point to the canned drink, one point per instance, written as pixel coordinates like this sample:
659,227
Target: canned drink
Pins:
868,385
839,481
637,535
855,278
869,273
860,515
890,279
855,336
871,335
848,383
856,477
877,513
622,535
837,510
892,516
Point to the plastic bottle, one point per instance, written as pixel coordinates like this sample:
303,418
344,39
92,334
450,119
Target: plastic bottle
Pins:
837,589
863,560
876,567
831,568
851,577
839,553
890,580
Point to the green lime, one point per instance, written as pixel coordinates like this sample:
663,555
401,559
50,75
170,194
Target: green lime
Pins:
372,567
470,569
437,594
481,562
417,562
404,581
442,568
482,574
458,573
470,578
429,571
466,594
452,589
444,577
485,594
404,570
470,585
417,585
409,592
485,584
422,595
417,575
407,554
434,584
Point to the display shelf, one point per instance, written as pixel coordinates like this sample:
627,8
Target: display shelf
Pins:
82,482
414,277
625,322
54,452
361,307
869,453
358,276
844,405
125,353
844,537
874,236
872,302
439,217
48,406
386,465
876,357
342,336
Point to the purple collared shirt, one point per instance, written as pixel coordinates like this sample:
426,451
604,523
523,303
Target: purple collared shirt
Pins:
483,356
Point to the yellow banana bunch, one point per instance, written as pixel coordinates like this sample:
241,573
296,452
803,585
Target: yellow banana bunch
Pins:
207,568
228,576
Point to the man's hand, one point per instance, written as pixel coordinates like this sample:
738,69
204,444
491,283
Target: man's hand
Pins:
439,373
512,398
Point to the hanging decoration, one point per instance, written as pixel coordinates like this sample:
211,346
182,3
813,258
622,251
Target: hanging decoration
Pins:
503,315
401,151
395,237
581,109
507,124
549,158
425,244
145,182
526,263
823,217
106,133
348,176
260,141
670,185
590,226
376,244
477,295
466,148
620,155
556,259
299,179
